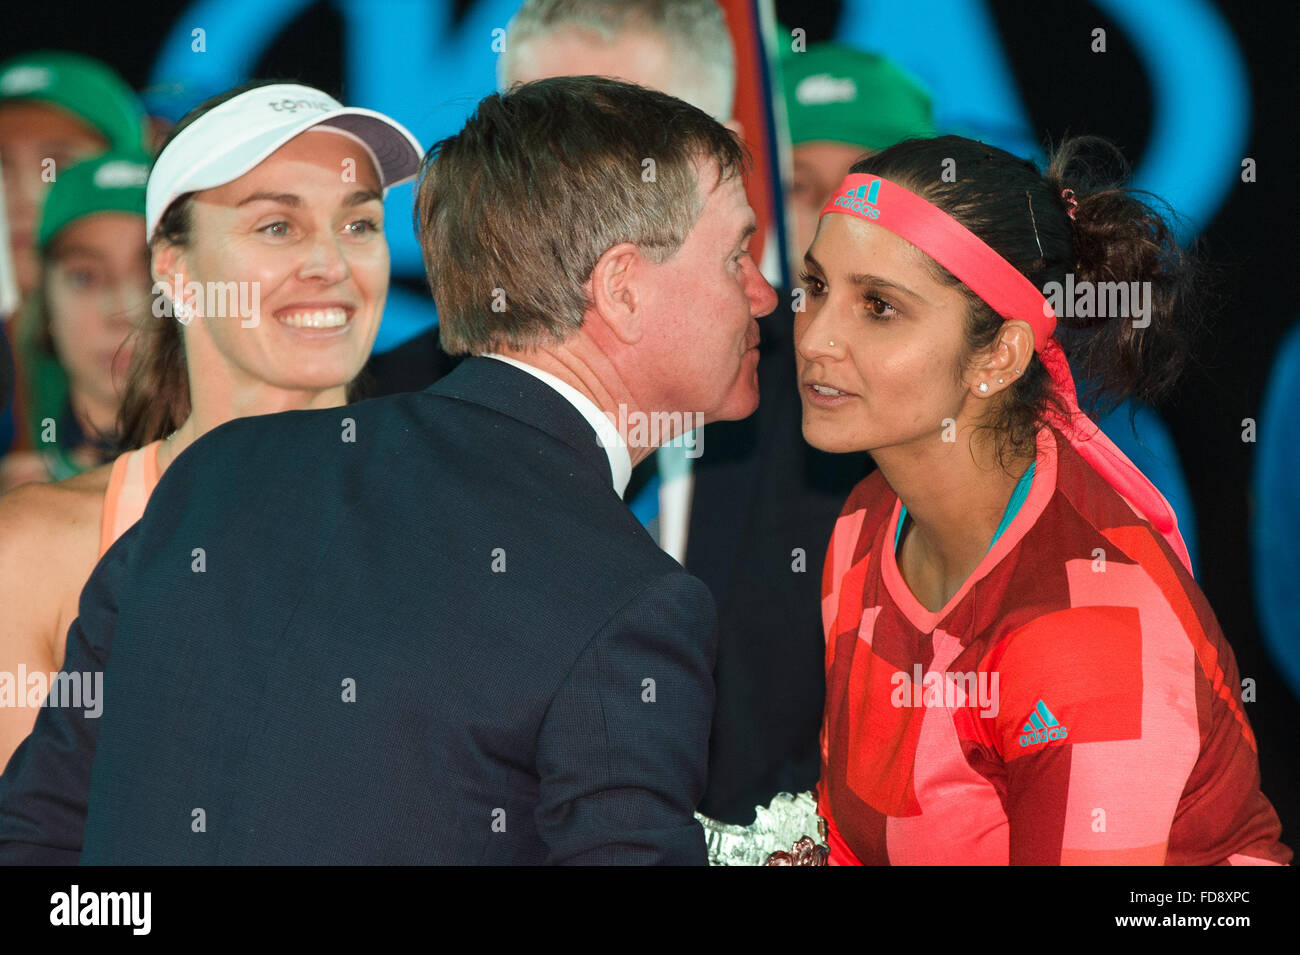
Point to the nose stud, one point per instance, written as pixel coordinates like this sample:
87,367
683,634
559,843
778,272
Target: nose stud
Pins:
832,344
984,386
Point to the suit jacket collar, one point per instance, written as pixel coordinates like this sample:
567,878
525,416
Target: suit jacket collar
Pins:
519,395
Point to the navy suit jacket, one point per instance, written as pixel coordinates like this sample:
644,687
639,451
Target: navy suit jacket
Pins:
765,503
446,640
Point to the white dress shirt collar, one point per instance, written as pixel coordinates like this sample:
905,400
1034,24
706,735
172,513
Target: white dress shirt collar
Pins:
620,462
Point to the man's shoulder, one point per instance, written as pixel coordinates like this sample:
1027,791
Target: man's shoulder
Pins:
305,428
387,414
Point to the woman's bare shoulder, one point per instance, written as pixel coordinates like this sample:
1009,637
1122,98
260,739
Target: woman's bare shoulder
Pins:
49,544
55,522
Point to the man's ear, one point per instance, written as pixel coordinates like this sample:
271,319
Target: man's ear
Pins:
614,292
736,127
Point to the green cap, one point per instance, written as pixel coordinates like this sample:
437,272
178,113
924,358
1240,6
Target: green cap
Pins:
843,95
112,182
84,87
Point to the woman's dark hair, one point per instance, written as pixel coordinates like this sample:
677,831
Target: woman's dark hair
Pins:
157,398
1116,235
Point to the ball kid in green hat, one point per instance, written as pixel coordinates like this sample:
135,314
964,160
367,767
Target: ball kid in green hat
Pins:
841,103
94,288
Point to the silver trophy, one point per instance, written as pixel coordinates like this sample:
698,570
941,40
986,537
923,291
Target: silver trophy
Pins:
781,834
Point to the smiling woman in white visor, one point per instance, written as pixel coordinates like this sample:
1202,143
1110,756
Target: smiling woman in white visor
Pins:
264,213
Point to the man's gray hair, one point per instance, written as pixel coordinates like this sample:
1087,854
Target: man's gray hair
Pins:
695,31
515,210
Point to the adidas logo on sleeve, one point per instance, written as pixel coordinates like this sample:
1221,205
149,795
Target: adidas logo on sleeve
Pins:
1041,727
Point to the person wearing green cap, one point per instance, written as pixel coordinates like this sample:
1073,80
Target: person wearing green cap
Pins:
841,103
56,108
95,286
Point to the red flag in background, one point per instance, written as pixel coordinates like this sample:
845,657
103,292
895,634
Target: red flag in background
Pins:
749,21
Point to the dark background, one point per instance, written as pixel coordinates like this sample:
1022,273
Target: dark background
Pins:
1065,89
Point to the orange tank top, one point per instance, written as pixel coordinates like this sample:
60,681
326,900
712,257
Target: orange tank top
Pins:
134,476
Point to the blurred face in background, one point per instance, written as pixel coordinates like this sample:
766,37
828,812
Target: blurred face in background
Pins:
309,244
818,169
634,55
30,134
97,290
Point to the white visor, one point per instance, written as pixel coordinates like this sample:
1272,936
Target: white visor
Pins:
230,139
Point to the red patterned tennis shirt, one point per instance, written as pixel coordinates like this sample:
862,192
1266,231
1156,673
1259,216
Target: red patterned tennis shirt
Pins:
1074,703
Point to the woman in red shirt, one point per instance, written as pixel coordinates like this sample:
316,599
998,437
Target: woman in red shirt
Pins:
1020,666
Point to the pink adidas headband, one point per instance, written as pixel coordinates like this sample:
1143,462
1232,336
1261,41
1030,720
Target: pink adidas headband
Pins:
951,244
1006,290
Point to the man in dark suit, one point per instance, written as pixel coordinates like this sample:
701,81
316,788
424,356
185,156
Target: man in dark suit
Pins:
764,505
425,628
759,505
